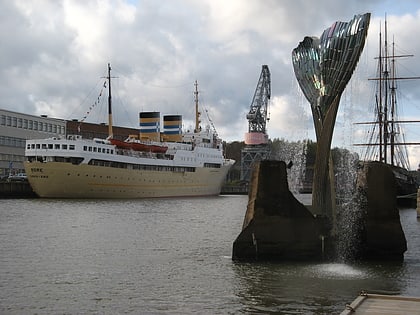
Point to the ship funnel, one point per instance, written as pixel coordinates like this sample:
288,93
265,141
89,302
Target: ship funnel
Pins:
150,126
172,128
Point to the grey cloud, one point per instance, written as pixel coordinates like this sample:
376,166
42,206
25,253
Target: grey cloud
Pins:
160,52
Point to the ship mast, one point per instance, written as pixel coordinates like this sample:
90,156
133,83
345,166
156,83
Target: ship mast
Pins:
110,133
380,109
386,106
197,113
393,103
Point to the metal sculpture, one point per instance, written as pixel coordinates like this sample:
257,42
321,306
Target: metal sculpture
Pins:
323,67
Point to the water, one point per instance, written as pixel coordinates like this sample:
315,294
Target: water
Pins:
168,256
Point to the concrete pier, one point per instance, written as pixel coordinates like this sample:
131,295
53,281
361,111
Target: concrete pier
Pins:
382,236
16,190
276,225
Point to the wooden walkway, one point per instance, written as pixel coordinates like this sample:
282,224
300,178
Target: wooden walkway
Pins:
378,304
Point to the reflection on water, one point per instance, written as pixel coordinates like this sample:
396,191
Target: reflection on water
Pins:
337,271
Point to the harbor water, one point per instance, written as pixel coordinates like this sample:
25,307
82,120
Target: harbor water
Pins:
169,256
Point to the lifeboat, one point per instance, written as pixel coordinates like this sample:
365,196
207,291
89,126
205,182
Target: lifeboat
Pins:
138,146
120,144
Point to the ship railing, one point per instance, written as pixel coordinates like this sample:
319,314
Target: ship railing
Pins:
74,137
144,154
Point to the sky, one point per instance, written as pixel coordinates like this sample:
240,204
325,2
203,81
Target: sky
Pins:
54,56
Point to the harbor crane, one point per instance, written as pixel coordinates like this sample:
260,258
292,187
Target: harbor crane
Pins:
256,139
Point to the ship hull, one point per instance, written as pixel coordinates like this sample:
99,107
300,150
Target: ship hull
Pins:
65,180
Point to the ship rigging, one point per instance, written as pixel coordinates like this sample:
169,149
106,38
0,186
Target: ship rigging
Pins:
386,140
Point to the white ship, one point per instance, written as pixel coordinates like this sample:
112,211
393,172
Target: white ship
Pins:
151,164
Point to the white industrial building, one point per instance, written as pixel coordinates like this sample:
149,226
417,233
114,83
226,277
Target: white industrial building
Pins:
15,128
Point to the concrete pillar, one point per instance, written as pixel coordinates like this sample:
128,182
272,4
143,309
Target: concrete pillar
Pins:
276,225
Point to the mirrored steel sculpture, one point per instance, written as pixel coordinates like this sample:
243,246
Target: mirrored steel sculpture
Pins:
323,67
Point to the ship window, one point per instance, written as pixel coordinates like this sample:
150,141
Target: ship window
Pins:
90,149
50,146
64,147
84,148
44,146
38,146
212,165
57,147
71,147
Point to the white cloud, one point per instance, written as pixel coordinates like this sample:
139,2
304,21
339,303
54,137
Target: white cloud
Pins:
289,118
59,50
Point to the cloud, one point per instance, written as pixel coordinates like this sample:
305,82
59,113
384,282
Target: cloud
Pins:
54,60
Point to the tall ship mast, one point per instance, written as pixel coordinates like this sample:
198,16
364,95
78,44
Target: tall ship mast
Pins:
110,132
386,140
153,163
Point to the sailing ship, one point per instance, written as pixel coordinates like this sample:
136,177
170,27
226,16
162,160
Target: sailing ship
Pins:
152,164
386,141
